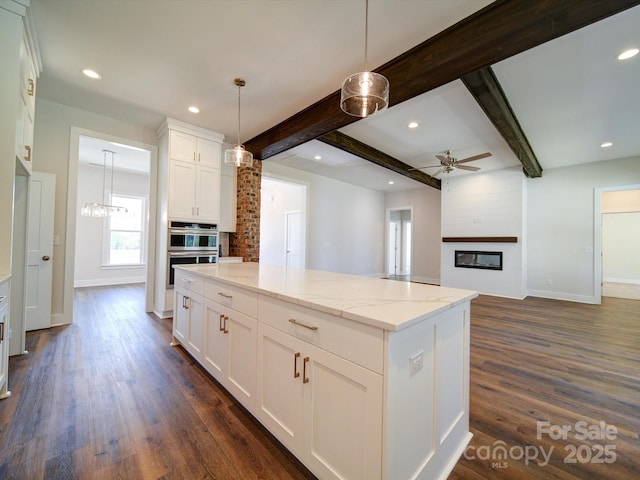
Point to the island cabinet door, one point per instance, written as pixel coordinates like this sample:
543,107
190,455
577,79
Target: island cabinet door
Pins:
280,404
180,316
342,417
230,351
216,345
188,322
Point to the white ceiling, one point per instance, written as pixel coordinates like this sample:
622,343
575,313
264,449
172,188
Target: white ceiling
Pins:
159,57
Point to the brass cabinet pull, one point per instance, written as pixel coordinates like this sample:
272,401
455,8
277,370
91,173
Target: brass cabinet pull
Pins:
194,156
225,295
46,258
28,156
296,373
226,319
305,379
2,332
32,87
220,323
295,322
185,302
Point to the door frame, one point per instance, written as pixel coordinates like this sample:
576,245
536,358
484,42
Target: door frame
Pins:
72,209
387,233
597,236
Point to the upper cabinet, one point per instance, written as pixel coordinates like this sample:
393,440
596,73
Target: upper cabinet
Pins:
26,107
192,155
194,178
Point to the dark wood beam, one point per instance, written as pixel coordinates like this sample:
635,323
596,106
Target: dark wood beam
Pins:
486,89
362,150
502,29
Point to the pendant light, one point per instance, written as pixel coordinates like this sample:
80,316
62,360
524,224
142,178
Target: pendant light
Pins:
238,155
364,93
103,209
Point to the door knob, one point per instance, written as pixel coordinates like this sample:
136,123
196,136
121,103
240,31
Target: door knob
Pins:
46,257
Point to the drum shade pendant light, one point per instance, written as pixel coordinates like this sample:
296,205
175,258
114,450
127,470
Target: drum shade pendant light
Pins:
364,93
103,209
238,155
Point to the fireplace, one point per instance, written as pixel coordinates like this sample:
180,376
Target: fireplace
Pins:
478,259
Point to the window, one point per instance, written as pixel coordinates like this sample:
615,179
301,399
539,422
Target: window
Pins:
125,235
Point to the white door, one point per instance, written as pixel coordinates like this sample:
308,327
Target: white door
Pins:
40,251
294,239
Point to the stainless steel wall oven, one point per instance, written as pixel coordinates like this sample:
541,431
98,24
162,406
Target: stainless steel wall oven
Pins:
190,243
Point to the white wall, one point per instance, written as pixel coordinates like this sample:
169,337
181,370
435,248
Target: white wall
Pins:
51,154
425,202
276,198
90,231
345,223
561,226
490,204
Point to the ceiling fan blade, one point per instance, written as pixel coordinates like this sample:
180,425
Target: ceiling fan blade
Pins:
442,158
420,168
475,157
468,167
437,173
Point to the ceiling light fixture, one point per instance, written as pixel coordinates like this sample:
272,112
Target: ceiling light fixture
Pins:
364,93
632,52
92,74
194,109
238,155
317,157
391,182
413,125
606,144
103,209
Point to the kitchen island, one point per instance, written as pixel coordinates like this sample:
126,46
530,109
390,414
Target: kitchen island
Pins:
360,378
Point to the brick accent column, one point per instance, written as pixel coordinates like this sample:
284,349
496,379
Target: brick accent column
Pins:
245,242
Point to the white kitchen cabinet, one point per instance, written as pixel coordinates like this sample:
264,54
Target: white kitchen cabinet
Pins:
194,177
4,337
188,315
26,107
327,410
230,350
359,378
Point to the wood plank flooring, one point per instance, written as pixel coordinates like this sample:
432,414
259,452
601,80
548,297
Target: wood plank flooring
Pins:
107,398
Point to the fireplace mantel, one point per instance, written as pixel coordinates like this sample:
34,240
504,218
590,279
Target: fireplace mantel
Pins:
480,239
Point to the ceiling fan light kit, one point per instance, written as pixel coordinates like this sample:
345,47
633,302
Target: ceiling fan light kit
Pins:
364,93
238,155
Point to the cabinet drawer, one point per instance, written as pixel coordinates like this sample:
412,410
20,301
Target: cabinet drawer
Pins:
192,283
359,343
241,300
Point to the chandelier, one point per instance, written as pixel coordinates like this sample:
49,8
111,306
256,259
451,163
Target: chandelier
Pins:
103,209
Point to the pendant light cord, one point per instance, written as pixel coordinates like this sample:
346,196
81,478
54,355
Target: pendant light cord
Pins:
239,86
104,177
366,32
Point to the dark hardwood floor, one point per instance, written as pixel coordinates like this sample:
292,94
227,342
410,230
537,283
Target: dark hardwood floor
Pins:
108,398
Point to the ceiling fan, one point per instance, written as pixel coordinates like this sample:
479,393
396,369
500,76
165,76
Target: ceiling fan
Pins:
448,163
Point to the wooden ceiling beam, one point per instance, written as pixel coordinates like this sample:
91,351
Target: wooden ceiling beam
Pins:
362,150
502,29
486,89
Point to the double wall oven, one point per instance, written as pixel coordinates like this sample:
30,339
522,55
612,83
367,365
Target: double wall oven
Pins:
190,243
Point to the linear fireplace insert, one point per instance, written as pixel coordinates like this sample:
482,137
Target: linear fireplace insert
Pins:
478,259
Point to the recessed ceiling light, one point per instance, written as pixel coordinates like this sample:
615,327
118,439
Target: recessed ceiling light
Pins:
317,157
412,124
632,52
606,144
391,182
194,109
92,74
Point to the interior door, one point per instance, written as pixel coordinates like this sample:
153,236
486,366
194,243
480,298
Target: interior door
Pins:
40,251
294,239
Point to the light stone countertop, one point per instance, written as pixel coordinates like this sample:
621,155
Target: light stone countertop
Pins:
388,304
4,277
